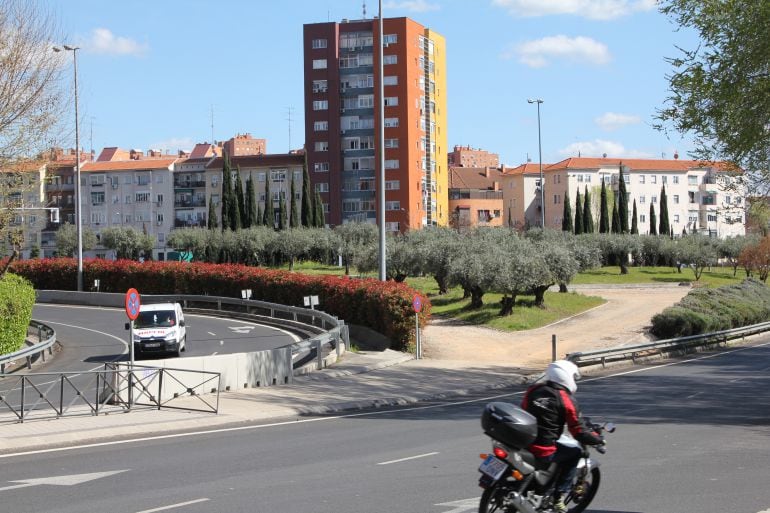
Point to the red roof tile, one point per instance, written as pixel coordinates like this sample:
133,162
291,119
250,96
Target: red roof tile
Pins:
128,165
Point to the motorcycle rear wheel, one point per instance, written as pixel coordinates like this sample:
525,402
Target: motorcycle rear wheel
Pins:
591,483
492,500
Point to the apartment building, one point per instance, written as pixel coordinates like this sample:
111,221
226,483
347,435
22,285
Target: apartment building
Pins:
475,197
244,144
192,190
465,156
279,169
706,198
22,203
135,193
342,122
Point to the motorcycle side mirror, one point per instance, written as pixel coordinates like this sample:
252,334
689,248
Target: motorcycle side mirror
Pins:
609,427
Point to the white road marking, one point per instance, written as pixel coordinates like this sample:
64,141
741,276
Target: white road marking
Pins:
172,506
214,353
347,416
409,458
67,480
244,330
461,506
212,334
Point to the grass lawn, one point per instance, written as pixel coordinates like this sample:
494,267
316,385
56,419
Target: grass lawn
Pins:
715,277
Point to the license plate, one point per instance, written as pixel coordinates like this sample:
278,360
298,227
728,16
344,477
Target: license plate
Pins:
152,344
493,467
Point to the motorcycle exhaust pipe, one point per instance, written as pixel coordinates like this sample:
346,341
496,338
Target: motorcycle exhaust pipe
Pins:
521,503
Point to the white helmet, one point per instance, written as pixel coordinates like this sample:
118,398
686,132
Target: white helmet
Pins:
564,373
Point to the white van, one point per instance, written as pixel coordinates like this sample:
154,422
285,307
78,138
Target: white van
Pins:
160,328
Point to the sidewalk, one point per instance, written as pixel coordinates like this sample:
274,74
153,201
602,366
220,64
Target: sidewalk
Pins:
460,360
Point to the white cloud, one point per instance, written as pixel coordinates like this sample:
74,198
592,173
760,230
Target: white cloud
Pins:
540,52
612,120
173,145
599,147
412,5
104,41
591,9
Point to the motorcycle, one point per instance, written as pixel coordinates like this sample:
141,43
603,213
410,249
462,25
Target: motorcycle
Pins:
514,480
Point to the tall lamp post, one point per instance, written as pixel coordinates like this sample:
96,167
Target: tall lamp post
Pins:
381,145
78,206
538,101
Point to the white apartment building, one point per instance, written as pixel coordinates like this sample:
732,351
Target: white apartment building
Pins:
129,193
702,197
22,190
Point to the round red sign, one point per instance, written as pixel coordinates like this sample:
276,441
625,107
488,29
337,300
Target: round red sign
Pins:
417,304
133,302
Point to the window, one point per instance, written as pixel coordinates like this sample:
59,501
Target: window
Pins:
97,198
691,195
712,218
128,199
322,146
676,218
319,43
277,175
97,179
322,187
556,199
142,197
321,167
320,105
390,80
391,143
392,205
391,164
642,199
390,39
653,179
654,199
214,180
128,179
676,199
319,63
641,178
321,126
664,179
215,199
390,59
692,180
366,101
675,179
97,217
391,101
260,177
391,122
392,185
320,86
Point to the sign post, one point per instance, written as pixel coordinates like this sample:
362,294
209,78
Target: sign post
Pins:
417,305
133,304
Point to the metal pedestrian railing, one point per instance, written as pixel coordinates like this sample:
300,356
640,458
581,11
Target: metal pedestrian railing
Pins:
662,347
116,388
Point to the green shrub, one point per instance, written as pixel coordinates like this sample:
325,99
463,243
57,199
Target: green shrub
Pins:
17,297
707,310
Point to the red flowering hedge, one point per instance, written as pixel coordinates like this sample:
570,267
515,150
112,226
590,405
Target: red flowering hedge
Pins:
383,307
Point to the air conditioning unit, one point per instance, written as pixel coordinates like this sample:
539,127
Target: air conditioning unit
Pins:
159,223
114,185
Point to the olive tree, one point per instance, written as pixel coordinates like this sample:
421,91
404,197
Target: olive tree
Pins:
127,242
698,252
67,239
291,244
188,239
353,239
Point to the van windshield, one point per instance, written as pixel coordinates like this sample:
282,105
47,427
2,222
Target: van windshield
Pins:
155,319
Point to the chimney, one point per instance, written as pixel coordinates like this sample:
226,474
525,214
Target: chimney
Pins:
486,172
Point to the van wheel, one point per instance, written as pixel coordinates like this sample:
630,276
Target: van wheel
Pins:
184,344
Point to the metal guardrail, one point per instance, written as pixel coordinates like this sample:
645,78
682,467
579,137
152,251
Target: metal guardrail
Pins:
117,388
46,337
604,356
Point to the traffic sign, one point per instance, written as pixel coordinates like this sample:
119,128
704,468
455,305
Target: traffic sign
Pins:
133,302
417,304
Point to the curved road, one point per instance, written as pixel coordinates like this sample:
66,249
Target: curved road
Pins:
92,336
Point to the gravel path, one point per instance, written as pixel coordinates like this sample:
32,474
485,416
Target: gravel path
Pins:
623,320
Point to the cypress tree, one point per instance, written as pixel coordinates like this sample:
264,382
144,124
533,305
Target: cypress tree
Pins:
227,189
578,215
307,198
664,224
251,203
604,218
615,217
320,220
212,221
240,198
283,214
566,217
293,217
588,217
653,221
259,220
634,222
268,218
622,202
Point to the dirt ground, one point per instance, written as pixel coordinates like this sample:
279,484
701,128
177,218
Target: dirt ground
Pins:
622,320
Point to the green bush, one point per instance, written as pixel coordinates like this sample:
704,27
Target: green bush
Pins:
17,297
707,310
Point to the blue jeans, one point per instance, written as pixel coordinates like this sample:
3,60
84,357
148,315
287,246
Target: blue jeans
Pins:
567,457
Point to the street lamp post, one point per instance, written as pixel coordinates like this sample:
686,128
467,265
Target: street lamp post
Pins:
538,101
381,145
78,205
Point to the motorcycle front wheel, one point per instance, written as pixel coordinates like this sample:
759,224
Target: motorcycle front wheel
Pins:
583,493
492,500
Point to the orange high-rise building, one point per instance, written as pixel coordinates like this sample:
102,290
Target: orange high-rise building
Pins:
342,122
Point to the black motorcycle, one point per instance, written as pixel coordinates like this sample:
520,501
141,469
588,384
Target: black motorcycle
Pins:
514,480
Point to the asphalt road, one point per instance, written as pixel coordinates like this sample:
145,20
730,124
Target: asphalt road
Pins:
92,336
692,437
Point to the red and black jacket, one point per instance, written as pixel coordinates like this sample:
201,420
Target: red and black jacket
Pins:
554,406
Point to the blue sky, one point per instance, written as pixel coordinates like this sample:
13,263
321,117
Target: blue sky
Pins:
151,72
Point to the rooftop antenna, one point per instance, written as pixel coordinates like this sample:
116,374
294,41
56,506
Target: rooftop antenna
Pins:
364,6
212,123
288,118
92,137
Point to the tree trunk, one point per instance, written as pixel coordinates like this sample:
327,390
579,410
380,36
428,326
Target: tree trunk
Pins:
563,288
506,306
540,295
477,295
13,256
466,292
442,283
400,277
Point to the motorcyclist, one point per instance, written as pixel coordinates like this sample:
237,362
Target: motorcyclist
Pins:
551,401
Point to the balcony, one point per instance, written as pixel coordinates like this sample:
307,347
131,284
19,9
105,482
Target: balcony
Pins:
189,223
189,203
189,184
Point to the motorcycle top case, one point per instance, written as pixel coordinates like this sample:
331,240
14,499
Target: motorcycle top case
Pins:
509,424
